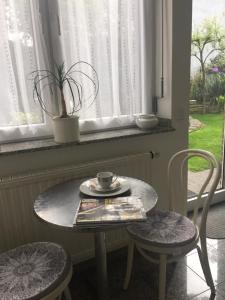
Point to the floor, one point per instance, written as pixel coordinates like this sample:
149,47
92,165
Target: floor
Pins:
196,180
185,279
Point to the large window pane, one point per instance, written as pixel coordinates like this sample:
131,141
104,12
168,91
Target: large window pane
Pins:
206,106
109,36
21,52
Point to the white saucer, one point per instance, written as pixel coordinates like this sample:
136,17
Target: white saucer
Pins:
114,186
87,188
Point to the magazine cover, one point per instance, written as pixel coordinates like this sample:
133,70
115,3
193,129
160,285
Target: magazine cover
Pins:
109,210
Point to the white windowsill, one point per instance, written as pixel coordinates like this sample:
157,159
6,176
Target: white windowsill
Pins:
46,144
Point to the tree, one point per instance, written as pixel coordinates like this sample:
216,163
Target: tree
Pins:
208,41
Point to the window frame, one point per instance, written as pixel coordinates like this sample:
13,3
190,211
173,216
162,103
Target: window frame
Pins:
49,13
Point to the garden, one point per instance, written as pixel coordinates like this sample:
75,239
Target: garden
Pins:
209,137
207,91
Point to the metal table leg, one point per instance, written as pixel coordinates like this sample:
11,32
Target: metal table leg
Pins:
101,265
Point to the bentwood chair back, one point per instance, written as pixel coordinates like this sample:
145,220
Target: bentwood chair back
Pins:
171,235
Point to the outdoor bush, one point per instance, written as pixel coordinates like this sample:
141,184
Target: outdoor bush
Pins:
217,64
214,87
221,100
196,87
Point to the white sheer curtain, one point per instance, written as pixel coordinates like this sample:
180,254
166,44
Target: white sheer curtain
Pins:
22,51
108,34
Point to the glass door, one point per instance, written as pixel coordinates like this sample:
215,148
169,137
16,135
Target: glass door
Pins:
207,93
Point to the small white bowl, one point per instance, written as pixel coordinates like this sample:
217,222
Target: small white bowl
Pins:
146,121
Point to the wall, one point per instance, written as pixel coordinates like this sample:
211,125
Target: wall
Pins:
166,143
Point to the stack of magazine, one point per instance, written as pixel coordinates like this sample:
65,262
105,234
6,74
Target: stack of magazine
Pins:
109,211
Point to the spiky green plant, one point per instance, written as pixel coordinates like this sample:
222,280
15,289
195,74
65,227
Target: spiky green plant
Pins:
59,79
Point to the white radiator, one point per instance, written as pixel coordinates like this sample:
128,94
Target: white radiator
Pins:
19,225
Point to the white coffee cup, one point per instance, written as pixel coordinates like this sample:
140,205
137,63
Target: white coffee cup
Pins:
105,179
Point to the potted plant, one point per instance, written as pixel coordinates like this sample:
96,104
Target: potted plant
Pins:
62,83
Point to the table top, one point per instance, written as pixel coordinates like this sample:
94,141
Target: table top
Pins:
58,205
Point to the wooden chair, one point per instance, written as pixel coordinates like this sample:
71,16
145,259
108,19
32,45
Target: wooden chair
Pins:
171,235
40,270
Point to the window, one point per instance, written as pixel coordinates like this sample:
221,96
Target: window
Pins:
21,51
113,36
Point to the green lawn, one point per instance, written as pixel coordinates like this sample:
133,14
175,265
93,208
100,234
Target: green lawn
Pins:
210,138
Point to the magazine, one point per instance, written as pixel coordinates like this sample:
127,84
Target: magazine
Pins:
109,210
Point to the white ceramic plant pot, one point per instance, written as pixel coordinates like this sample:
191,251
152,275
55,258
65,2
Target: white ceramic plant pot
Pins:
66,129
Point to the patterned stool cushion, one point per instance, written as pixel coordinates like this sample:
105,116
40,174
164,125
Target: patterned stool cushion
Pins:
164,228
32,270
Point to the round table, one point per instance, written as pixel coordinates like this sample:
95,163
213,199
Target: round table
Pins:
58,205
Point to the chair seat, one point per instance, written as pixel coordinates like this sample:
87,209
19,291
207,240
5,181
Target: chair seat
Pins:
164,228
32,271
